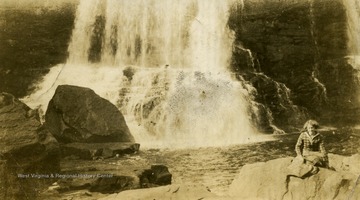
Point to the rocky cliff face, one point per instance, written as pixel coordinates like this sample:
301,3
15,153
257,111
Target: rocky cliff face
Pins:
25,148
295,54
31,42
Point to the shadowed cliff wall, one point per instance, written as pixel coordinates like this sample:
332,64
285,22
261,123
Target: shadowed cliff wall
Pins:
301,46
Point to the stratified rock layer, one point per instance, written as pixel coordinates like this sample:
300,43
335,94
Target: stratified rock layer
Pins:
77,114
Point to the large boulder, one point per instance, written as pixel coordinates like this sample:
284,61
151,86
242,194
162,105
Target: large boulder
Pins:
25,148
77,114
271,180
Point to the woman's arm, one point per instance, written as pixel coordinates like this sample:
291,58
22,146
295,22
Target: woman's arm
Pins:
298,145
322,147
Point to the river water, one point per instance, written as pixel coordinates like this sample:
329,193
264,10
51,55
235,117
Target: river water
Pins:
216,167
180,87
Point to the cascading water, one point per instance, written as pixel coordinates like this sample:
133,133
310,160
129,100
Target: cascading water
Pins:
164,64
353,18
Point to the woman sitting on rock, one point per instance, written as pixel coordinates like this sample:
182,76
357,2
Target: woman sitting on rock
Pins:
310,145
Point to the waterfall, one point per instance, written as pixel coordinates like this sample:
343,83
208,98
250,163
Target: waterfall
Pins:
152,33
164,64
353,17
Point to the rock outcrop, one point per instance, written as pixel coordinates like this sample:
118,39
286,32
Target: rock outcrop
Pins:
345,164
300,49
77,114
25,148
270,180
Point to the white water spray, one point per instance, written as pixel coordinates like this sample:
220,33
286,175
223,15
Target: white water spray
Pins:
81,35
163,63
353,18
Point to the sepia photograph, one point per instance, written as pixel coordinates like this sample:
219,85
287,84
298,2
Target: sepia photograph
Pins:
179,99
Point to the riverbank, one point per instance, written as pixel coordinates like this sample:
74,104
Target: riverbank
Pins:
211,168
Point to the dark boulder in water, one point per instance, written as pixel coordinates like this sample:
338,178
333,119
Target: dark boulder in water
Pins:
26,148
156,176
77,114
